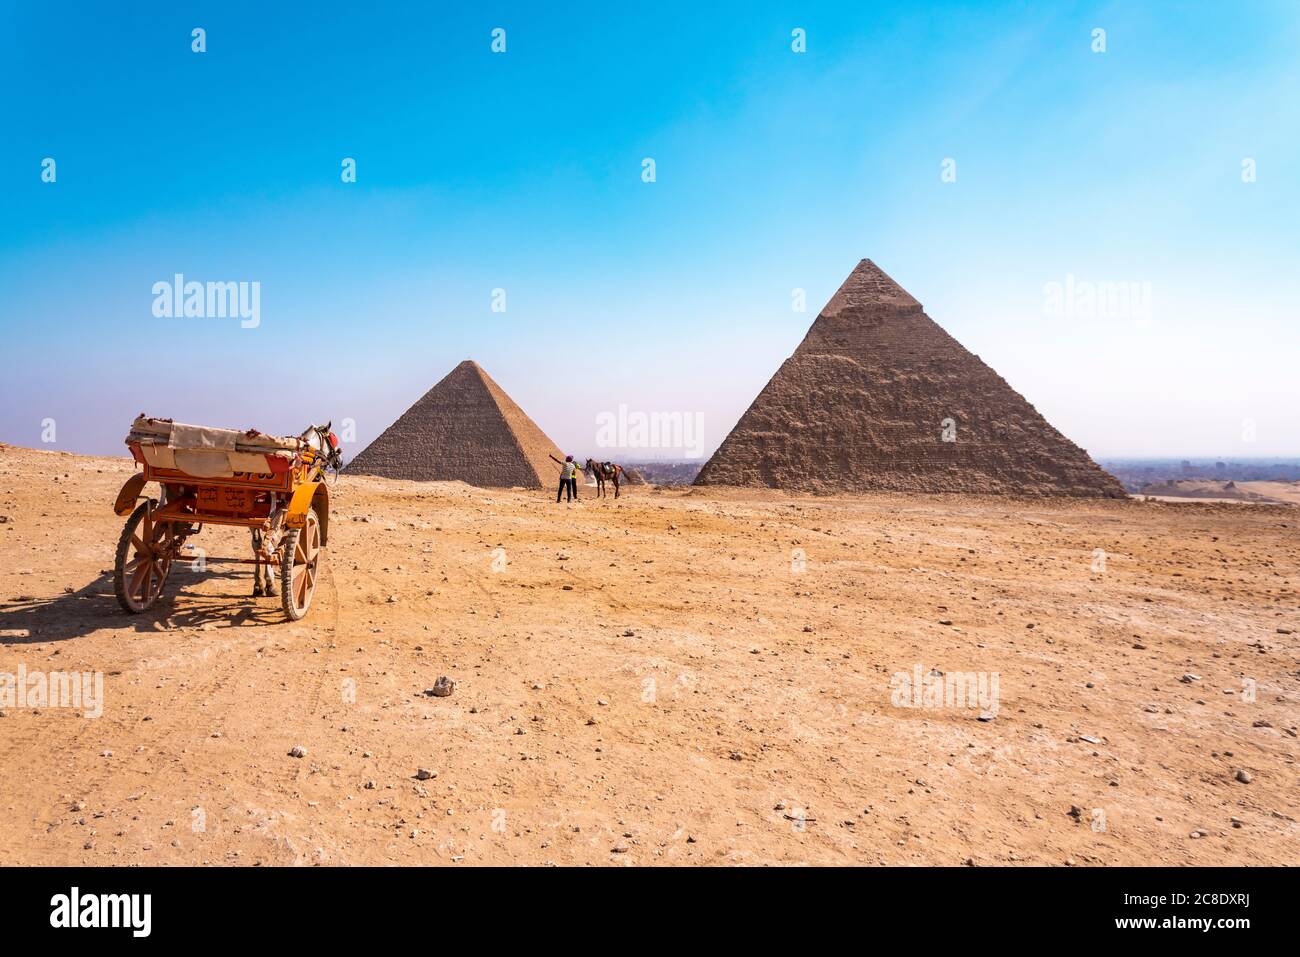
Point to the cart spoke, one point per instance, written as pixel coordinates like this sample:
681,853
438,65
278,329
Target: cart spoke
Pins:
135,572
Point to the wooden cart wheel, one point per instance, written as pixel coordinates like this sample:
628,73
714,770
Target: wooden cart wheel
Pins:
298,565
144,559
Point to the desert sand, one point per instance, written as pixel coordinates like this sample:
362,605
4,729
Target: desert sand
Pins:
663,679
1218,490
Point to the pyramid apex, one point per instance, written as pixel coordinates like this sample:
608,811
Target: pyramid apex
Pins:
867,284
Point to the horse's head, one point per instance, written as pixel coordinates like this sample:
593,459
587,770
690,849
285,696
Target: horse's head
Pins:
320,438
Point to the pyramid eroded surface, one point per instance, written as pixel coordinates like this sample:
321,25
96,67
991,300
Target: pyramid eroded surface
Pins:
879,397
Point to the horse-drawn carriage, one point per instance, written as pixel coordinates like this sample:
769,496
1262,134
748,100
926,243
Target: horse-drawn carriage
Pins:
271,485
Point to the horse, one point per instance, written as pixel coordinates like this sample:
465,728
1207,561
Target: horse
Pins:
263,579
604,472
316,437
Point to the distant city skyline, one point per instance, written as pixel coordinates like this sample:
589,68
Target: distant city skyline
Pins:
640,212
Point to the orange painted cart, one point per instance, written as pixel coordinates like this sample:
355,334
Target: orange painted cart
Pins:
271,485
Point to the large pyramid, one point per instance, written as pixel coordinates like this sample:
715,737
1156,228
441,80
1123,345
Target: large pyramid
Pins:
863,403
464,428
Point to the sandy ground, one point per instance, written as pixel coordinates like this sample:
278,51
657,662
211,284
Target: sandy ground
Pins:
660,680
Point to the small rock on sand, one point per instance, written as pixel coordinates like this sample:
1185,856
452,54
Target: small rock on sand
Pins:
442,687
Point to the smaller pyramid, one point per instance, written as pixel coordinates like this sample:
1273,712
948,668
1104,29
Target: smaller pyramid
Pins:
465,428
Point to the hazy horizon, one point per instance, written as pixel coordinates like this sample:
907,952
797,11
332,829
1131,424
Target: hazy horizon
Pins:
1111,230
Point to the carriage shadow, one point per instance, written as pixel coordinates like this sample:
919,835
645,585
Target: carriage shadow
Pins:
94,607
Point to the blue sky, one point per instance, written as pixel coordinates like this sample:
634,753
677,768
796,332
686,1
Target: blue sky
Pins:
775,170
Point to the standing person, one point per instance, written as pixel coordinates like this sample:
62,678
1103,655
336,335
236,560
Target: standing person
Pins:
568,479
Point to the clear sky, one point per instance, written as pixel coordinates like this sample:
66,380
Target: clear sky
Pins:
523,171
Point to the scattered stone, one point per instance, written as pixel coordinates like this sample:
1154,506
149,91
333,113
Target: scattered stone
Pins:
297,751
443,687
424,774
945,621
1189,678
1244,776
987,716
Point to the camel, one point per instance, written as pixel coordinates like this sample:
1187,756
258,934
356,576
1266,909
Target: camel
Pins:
604,472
